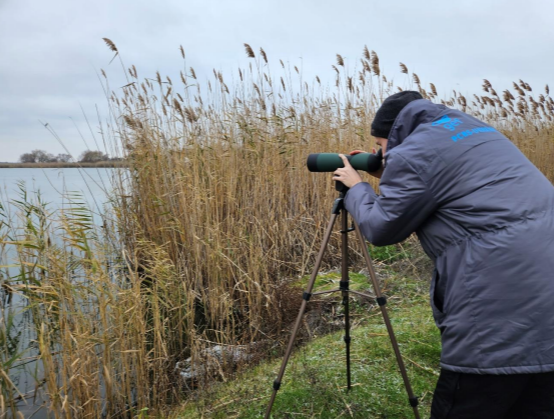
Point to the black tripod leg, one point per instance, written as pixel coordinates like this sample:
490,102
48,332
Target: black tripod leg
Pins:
306,296
382,302
345,294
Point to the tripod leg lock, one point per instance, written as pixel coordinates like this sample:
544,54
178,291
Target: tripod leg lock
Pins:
306,296
277,385
343,285
347,339
414,402
381,301
337,206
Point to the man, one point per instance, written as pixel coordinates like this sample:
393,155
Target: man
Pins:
485,216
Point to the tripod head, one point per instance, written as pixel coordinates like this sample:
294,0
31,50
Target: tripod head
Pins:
341,187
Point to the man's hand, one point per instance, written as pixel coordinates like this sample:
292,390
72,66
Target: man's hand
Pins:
376,174
347,175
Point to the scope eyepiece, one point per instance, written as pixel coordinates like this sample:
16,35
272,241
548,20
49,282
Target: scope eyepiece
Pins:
329,162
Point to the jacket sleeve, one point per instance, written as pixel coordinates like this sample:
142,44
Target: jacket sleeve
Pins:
404,204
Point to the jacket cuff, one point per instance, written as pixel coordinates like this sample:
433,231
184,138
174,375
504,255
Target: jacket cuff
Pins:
360,193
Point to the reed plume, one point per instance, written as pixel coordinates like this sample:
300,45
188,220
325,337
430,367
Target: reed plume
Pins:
249,51
263,54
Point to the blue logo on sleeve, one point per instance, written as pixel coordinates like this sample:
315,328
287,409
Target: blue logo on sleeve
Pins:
451,123
447,123
443,120
469,132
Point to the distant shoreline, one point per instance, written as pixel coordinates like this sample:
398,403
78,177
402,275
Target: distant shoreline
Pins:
55,165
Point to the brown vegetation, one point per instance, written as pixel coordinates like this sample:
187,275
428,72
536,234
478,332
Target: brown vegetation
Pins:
216,213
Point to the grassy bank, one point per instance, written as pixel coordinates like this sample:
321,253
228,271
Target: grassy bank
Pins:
314,385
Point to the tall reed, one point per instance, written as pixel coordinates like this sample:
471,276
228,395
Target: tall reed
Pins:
219,179
214,216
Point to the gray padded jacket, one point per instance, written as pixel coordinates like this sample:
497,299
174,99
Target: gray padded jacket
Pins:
485,216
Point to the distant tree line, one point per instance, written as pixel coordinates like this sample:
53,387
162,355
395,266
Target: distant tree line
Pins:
41,156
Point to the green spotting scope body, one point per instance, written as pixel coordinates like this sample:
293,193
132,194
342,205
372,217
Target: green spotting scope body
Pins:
329,162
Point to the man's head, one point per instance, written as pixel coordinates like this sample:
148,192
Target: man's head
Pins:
389,110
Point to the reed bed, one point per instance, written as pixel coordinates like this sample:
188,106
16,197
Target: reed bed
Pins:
213,218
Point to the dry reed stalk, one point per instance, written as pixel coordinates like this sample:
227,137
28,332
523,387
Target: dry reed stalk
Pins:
216,213
221,182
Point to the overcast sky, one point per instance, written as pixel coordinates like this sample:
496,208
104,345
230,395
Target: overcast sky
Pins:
51,51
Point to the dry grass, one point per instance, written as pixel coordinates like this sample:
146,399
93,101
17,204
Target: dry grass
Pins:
214,216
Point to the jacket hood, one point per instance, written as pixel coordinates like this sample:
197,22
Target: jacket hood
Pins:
415,113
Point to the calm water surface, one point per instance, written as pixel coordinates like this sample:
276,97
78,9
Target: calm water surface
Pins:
56,187
55,184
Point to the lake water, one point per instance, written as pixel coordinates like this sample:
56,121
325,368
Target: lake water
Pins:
56,187
55,184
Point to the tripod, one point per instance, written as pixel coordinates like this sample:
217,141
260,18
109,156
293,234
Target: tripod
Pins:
338,208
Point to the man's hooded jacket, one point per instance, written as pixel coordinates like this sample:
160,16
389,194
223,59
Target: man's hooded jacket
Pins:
485,215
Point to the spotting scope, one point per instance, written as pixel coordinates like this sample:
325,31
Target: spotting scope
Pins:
329,162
